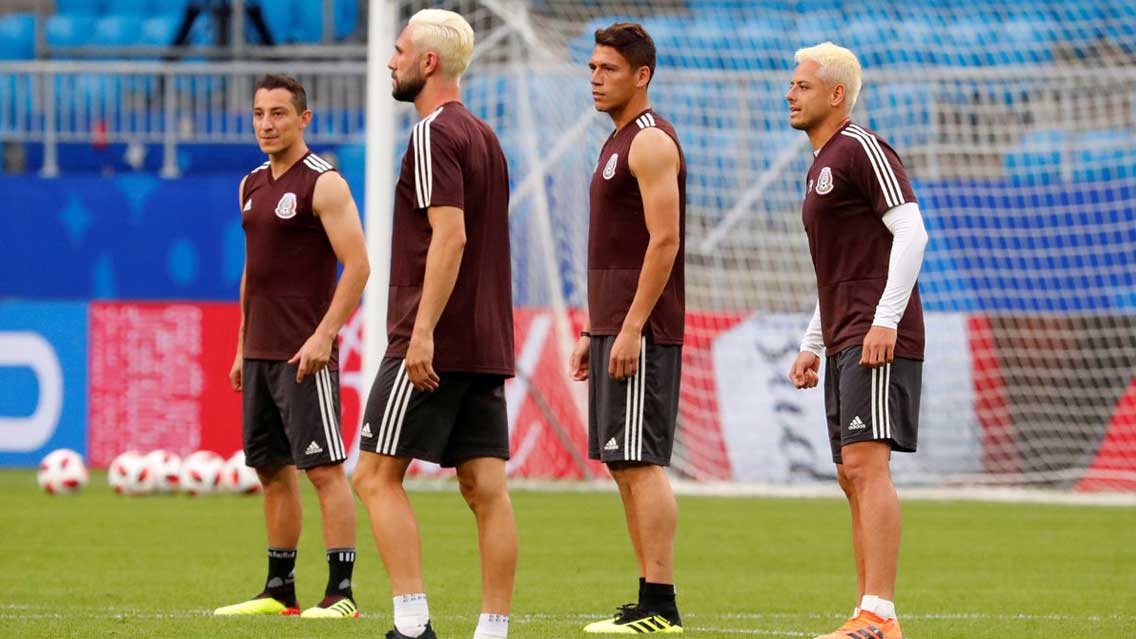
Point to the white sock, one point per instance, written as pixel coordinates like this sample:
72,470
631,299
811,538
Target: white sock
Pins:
411,614
490,626
879,607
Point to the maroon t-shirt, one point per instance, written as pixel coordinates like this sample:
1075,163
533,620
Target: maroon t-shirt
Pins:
618,238
454,159
290,267
853,181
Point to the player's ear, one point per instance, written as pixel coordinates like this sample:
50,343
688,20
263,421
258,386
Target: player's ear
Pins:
643,77
431,63
838,95
306,118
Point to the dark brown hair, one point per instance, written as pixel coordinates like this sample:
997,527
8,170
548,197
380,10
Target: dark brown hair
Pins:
272,81
633,42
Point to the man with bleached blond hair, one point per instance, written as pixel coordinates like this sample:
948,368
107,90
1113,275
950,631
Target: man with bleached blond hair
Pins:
866,237
440,391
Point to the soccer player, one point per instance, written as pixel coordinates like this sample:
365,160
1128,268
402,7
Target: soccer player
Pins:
631,351
866,237
440,391
299,220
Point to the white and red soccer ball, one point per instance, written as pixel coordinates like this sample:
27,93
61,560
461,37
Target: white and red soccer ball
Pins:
163,471
236,477
127,474
62,472
201,472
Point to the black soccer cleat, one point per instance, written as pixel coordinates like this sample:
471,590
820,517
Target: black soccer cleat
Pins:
428,634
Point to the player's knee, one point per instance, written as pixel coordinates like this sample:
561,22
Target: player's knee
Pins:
324,477
845,481
274,478
479,492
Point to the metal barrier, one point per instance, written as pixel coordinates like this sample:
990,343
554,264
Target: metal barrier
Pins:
170,104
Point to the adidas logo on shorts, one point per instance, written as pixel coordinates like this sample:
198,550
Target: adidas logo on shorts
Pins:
611,444
366,432
857,424
313,449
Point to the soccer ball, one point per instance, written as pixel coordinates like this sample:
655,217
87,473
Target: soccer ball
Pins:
128,475
163,471
201,472
236,477
62,472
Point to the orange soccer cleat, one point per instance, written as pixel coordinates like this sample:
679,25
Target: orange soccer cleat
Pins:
866,625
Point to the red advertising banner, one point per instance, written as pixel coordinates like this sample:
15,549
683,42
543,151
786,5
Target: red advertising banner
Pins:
159,379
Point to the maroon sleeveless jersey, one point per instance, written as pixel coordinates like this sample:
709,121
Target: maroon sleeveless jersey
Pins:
617,240
454,159
290,267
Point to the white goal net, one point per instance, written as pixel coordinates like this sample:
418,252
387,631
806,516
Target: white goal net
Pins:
1016,128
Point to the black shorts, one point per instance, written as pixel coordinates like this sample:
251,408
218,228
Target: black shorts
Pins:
872,404
633,420
464,418
290,423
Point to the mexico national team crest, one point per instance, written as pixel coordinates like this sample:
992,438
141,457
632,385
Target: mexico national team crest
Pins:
609,168
286,207
824,181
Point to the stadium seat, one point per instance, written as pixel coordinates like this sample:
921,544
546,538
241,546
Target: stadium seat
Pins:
871,38
1037,160
159,31
280,15
1026,40
1104,155
80,7
117,31
70,30
136,8
17,36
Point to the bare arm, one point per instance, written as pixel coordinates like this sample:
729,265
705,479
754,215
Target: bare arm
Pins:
335,208
443,262
654,160
236,372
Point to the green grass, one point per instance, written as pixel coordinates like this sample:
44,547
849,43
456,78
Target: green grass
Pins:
98,565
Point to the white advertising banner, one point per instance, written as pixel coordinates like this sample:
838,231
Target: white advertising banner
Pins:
777,434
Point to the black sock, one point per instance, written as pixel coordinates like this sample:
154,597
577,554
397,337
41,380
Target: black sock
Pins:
660,598
340,564
642,581
281,582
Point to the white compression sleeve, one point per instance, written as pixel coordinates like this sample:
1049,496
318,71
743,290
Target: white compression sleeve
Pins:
909,239
813,340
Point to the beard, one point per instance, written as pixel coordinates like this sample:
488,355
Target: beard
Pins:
407,89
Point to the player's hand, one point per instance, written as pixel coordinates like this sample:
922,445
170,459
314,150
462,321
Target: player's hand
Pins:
312,356
420,363
236,373
805,370
578,360
879,347
624,360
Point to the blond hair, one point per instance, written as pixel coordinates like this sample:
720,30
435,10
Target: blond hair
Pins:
837,66
447,34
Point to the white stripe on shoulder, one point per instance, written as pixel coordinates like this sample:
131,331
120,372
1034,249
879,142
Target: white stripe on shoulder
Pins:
873,146
260,168
650,118
885,186
308,162
641,122
318,160
874,142
423,162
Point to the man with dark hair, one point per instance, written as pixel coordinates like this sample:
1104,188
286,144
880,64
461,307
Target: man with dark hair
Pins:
636,304
299,220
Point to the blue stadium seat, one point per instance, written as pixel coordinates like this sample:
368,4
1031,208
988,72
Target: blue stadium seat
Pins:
580,47
1104,155
1037,160
117,31
159,31
280,15
872,38
1026,40
1121,25
172,7
136,8
17,36
80,7
762,43
969,40
70,30
816,27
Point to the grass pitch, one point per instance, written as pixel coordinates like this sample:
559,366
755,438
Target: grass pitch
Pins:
100,565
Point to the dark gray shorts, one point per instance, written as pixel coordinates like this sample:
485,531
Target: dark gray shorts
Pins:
290,423
633,420
464,418
872,404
